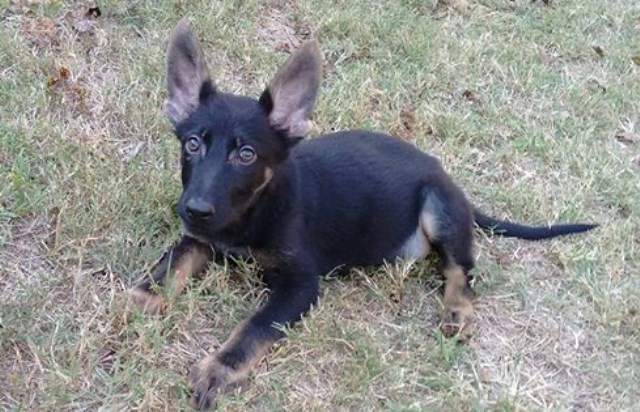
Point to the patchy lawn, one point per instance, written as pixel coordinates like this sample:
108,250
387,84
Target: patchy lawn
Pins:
534,108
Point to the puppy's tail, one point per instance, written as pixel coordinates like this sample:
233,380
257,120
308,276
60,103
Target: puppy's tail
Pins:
511,229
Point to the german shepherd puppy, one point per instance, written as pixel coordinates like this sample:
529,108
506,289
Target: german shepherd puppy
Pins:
301,209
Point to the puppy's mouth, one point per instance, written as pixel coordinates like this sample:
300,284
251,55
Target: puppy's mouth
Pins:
208,233
204,238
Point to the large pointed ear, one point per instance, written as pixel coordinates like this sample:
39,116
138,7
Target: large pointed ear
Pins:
291,95
187,76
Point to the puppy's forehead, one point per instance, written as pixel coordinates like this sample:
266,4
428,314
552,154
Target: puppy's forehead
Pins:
238,107
224,115
224,112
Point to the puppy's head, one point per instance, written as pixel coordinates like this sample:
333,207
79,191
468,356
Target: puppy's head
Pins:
232,145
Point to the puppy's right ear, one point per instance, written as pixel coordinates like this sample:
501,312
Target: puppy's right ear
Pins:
188,79
292,93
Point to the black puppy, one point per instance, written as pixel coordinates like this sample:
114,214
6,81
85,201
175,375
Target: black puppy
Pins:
301,208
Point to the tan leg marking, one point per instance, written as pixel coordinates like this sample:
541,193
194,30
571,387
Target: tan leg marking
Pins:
458,308
193,260
210,377
147,301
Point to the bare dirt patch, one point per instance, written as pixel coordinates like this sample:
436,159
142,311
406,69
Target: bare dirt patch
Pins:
278,31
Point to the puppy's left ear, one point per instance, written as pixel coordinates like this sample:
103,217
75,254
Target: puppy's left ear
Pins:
291,95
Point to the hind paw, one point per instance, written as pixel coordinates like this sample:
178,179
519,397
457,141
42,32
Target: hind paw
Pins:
457,318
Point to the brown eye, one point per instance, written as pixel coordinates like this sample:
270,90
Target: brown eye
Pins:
246,155
192,146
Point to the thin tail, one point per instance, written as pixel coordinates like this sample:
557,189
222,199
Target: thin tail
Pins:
506,228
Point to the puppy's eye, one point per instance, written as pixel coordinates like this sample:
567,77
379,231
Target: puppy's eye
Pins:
193,144
246,155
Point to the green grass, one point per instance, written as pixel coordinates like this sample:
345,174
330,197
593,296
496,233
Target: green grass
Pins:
512,96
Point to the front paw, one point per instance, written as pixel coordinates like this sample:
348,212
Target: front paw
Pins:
208,379
147,301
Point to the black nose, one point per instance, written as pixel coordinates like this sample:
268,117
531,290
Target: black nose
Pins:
198,208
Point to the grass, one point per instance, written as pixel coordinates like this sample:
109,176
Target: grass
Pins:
534,109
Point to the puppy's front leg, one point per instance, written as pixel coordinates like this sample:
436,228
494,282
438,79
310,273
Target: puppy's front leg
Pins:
186,258
291,296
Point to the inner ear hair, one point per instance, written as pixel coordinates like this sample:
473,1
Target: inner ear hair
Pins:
188,80
291,95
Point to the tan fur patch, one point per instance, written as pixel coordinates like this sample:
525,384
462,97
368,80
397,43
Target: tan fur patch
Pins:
268,175
210,377
418,246
458,308
147,301
429,224
258,348
193,261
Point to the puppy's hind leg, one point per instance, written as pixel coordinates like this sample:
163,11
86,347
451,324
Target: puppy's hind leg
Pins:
447,220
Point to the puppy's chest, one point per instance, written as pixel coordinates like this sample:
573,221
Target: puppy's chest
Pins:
241,252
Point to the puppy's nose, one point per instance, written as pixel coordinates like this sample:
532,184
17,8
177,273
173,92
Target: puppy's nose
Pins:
198,208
